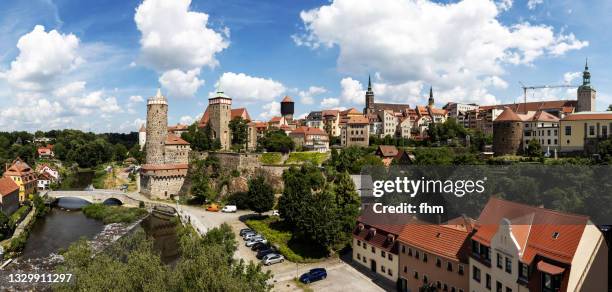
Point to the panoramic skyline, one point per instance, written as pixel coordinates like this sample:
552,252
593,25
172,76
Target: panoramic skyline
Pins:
91,66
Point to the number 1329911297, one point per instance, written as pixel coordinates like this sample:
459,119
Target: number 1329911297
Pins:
39,278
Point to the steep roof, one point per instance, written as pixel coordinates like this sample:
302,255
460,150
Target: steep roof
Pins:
178,127
287,99
508,115
443,240
581,116
394,107
563,105
18,167
330,112
7,186
358,120
542,116
387,150
237,112
308,131
534,229
172,139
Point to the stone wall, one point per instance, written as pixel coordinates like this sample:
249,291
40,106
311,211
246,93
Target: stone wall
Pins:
507,138
177,154
160,187
231,160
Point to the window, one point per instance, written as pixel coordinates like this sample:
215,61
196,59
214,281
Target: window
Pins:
390,257
488,281
425,279
365,246
475,247
389,272
383,254
509,265
499,261
438,262
568,130
449,266
382,268
591,130
453,289
409,251
373,250
358,242
439,285
416,254
476,274
364,259
498,286
405,269
403,249
416,274
460,267
445,288
508,289
523,271
358,256
425,257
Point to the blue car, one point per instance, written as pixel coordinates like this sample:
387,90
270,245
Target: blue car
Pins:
313,275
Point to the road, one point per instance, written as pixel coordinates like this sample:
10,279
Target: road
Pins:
341,276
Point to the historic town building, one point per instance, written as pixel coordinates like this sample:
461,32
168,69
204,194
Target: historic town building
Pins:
167,155
355,132
586,94
584,130
9,196
24,176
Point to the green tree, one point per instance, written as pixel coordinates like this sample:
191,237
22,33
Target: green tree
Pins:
534,149
200,184
239,128
120,152
261,195
276,141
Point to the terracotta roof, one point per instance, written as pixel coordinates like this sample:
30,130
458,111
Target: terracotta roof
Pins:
142,128
258,124
275,119
237,112
387,150
588,116
177,127
172,139
308,131
287,99
378,235
549,268
18,167
358,120
442,240
44,176
536,105
349,111
508,115
534,229
542,116
7,186
165,166
330,112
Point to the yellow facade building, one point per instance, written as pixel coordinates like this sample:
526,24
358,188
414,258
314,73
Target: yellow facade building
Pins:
582,131
24,176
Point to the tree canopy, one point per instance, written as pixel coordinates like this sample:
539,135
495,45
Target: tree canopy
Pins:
276,141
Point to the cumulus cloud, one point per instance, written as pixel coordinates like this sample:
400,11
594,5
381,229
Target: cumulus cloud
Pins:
173,37
532,4
307,96
352,91
569,77
245,88
42,57
330,102
181,84
465,43
270,110
136,99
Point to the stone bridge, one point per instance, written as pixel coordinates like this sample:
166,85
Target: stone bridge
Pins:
94,196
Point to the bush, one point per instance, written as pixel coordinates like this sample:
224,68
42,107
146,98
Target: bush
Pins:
235,173
240,199
18,215
113,214
271,158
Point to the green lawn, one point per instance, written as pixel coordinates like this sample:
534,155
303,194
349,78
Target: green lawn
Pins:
279,235
271,158
113,214
300,157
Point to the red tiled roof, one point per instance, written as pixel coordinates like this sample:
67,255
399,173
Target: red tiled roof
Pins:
308,131
542,116
330,112
275,119
443,240
7,186
378,235
287,99
18,167
358,120
349,111
563,105
165,166
534,228
549,268
387,150
508,115
172,139
177,127
237,112
589,116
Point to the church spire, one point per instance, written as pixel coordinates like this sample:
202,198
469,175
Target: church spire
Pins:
431,98
369,83
586,75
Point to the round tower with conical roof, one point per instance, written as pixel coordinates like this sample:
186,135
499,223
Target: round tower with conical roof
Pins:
157,128
507,133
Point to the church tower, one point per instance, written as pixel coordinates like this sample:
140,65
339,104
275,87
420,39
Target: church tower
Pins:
220,107
431,101
586,94
369,98
157,128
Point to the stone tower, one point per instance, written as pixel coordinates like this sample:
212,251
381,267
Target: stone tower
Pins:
157,128
507,133
369,98
287,108
220,107
586,94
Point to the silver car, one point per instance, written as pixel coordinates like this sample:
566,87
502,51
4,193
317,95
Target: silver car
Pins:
272,258
248,236
255,240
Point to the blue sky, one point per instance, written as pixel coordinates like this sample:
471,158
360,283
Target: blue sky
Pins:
92,64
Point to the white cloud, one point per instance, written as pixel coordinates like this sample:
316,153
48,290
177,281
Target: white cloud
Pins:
70,89
352,91
42,57
181,84
136,99
531,4
307,96
504,5
186,120
94,102
270,110
173,37
330,102
245,88
465,43
569,77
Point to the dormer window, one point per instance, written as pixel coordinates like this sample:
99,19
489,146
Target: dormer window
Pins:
555,235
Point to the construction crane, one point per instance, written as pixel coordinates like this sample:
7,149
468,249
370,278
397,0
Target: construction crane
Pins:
525,88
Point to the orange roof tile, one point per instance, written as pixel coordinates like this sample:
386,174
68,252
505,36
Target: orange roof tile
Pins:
7,186
308,131
387,150
535,106
358,120
287,99
589,116
172,139
237,112
441,240
165,166
508,115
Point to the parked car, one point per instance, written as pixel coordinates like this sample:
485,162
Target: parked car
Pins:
243,231
313,275
264,252
272,258
255,240
259,246
275,213
248,236
212,208
229,209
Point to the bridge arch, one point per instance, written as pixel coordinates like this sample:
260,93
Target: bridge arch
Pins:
113,202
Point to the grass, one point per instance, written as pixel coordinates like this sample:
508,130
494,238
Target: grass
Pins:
16,217
271,158
300,157
113,214
302,286
280,235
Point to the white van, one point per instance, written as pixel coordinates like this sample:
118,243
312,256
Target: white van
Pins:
229,209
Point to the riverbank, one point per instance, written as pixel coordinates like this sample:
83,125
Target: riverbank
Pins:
113,214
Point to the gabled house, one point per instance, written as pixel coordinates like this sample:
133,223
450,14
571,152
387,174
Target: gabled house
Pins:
9,196
24,176
310,139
